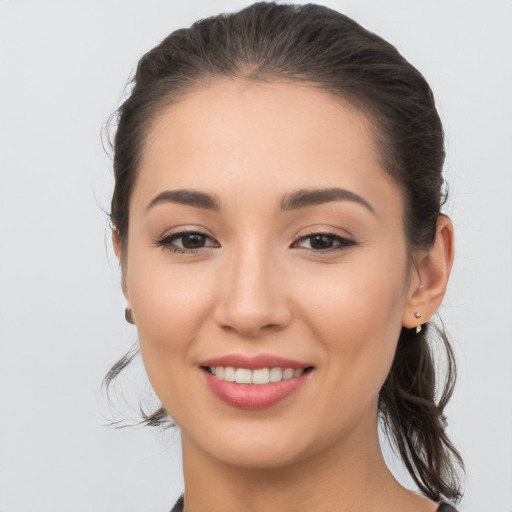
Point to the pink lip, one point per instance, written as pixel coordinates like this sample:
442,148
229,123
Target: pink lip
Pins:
254,362
257,396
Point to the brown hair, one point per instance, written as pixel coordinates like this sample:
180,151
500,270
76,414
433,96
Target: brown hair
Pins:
319,46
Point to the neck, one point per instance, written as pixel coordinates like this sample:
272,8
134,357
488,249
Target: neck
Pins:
350,475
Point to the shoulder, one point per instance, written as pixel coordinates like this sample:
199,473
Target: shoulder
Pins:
178,506
444,507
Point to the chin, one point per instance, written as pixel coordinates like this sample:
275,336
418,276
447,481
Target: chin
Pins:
256,446
258,455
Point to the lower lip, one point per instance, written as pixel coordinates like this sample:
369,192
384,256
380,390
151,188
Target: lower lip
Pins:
253,396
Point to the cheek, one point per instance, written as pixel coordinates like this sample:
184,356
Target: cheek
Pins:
356,314
170,303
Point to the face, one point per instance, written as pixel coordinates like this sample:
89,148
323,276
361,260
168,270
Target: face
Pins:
266,245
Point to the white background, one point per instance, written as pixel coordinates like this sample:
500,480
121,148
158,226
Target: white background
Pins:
63,66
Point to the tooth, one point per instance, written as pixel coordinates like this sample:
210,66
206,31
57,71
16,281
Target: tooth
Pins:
243,376
229,374
260,376
275,374
287,373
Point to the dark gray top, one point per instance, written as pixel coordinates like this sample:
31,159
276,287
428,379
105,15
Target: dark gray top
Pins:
443,507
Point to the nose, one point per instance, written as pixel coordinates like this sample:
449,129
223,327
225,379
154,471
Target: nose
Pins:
253,296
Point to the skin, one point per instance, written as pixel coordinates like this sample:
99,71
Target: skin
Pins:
259,286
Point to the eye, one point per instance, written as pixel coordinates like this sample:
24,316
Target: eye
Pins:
186,242
323,242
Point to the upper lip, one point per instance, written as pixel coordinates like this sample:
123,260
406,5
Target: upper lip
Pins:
254,362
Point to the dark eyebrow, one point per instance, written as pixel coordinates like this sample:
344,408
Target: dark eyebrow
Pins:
307,197
187,197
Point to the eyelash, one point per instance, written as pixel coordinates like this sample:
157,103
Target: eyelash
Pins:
167,242
343,243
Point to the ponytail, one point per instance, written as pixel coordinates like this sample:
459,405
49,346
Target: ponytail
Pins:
412,409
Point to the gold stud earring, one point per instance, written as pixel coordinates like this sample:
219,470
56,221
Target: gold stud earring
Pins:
128,316
418,316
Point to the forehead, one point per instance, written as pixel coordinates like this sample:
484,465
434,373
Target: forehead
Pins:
236,111
265,136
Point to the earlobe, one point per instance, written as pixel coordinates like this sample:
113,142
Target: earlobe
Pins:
433,268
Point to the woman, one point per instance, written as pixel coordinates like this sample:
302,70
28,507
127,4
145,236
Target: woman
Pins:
277,217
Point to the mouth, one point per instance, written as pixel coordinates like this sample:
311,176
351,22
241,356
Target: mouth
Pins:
258,382
258,376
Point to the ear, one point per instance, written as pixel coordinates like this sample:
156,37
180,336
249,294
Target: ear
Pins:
116,242
433,268
121,257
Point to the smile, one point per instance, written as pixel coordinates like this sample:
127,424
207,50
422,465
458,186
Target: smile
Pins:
267,381
258,376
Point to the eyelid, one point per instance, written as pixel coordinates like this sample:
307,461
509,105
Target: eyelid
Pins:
345,242
165,241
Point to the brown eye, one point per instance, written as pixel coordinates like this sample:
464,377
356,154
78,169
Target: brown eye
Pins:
324,242
193,241
187,241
